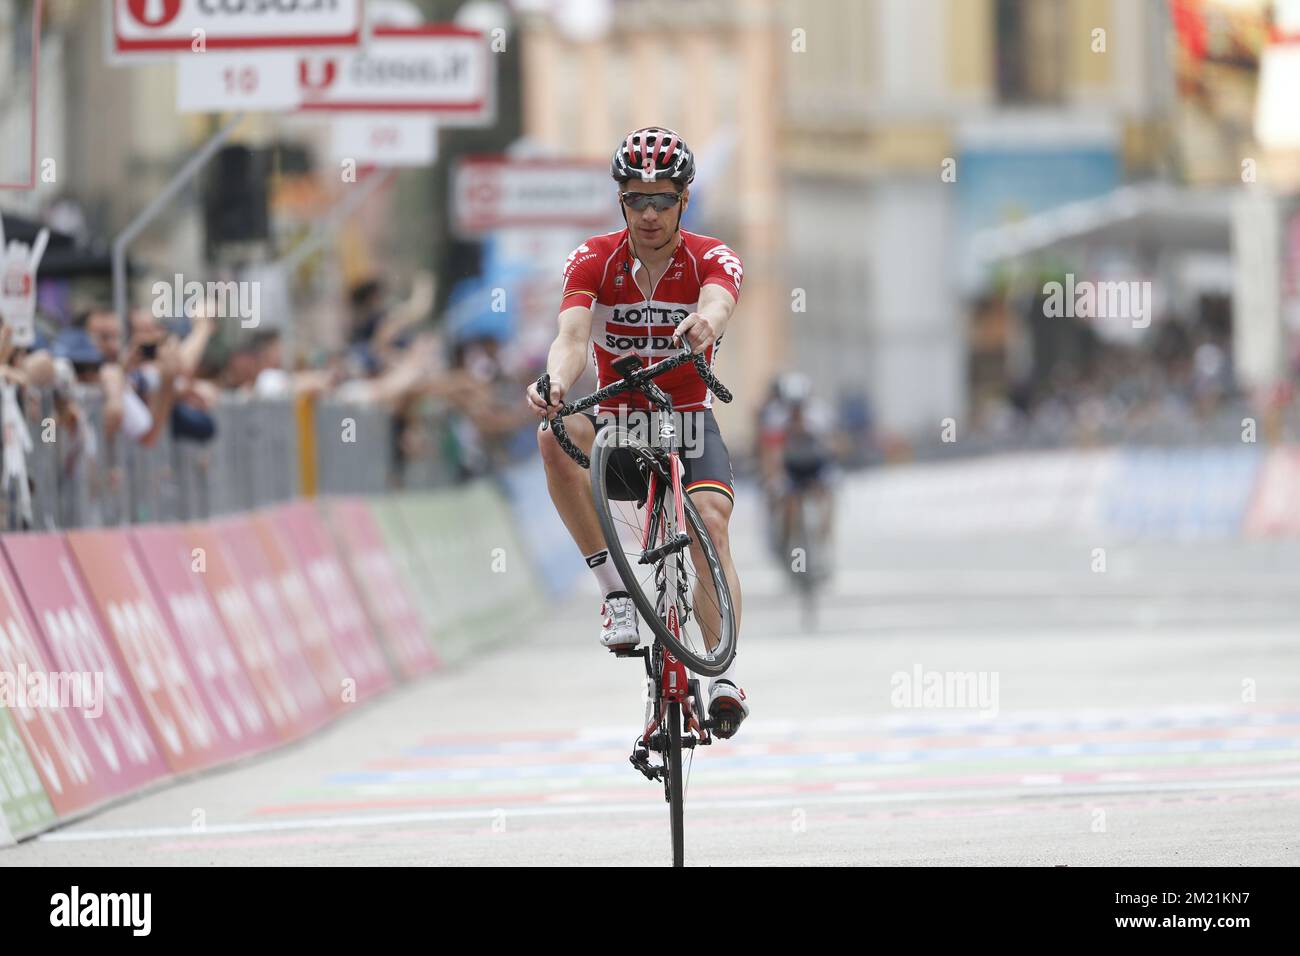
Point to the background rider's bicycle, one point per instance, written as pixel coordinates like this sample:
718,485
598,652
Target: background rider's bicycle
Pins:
805,547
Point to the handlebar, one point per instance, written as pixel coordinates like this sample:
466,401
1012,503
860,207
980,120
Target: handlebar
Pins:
638,380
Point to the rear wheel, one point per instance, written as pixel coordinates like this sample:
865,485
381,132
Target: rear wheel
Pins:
704,638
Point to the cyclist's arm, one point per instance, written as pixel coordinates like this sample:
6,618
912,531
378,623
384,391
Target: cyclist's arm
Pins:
716,305
568,355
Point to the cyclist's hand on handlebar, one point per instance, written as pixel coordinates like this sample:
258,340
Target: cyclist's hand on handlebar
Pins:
537,402
695,332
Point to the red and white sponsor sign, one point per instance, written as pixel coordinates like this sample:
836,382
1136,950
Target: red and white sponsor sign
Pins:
177,713
218,83
495,192
177,579
382,587
304,616
333,594
171,26
442,72
292,653
74,773
384,139
75,643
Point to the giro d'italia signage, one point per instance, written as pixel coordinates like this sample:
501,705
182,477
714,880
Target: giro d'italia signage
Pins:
497,192
142,28
441,72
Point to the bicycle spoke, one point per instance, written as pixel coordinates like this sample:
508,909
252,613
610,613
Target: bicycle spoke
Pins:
687,579
686,567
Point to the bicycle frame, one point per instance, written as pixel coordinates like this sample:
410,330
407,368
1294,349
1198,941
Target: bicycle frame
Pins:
673,680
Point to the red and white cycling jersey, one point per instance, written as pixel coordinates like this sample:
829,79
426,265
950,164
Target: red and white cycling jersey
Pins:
598,274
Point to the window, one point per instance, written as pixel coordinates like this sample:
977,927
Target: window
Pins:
1031,60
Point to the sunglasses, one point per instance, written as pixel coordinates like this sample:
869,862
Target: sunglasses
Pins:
641,201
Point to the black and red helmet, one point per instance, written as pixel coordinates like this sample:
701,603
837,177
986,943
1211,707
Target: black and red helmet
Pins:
652,154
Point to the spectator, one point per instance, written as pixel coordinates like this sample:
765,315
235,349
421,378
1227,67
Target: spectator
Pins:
91,349
271,379
492,428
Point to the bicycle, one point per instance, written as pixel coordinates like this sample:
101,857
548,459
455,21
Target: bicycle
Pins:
805,551
669,537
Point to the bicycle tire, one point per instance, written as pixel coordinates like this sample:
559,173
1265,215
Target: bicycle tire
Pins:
608,440
673,761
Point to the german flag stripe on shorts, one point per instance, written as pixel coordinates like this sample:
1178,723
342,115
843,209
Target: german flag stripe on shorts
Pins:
709,485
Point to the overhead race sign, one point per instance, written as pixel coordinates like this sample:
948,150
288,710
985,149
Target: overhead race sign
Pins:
152,27
385,140
241,81
442,72
495,192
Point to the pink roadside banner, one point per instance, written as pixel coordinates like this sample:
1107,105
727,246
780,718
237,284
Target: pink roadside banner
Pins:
126,755
331,590
74,773
177,578
381,587
303,617
176,711
250,565
250,635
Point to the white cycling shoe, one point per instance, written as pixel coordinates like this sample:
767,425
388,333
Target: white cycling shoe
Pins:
727,707
619,628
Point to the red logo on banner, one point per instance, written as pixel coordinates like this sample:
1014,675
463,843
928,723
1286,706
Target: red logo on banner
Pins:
328,72
154,13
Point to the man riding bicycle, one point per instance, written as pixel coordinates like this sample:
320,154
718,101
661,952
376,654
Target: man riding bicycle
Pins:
797,459
645,290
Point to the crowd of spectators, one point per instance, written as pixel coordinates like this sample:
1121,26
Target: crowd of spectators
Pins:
454,400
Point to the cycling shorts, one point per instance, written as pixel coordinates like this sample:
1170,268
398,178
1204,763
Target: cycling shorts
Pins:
705,459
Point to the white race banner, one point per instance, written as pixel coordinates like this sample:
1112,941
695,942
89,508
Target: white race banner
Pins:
494,192
222,82
443,72
385,140
147,28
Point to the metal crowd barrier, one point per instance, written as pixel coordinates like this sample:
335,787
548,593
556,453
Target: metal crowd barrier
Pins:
354,448
80,478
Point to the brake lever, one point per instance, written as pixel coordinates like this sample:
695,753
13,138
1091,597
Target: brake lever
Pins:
544,390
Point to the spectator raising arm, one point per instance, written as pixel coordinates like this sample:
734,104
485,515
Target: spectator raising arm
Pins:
163,396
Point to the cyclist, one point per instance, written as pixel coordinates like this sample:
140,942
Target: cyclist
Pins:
648,290
798,457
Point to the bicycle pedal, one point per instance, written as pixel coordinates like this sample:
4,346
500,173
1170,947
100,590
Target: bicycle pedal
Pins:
722,726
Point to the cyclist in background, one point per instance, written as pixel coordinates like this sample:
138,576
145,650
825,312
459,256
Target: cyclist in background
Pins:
797,458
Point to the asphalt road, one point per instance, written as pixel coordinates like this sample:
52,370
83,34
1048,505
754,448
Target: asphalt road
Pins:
1147,714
